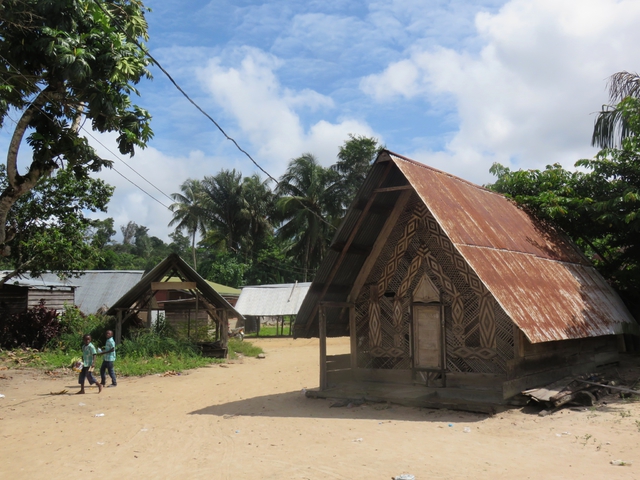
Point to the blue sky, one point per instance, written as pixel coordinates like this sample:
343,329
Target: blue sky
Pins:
455,84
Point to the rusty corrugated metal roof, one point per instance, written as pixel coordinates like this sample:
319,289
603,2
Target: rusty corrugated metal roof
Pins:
537,275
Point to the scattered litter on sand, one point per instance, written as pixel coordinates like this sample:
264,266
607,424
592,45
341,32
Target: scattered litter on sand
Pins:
620,463
357,440
404,476
99,415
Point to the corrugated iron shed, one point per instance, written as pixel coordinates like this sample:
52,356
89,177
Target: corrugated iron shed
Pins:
272,300
540,279
99,289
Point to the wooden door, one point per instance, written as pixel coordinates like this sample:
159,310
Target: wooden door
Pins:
428,336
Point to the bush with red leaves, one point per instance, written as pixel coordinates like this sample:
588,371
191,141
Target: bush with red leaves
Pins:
33,328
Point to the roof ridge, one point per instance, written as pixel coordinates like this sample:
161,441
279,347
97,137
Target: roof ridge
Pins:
442,172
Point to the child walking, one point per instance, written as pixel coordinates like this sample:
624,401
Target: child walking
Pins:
107,362
88,363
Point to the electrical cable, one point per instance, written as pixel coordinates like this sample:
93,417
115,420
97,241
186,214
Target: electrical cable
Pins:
198,107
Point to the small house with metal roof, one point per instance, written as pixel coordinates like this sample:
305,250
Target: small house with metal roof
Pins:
277,302
450,292
23,292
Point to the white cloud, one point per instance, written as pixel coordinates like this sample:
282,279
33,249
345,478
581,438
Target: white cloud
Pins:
527,97
270,114
163,174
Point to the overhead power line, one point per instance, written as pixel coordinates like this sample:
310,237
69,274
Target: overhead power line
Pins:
200,109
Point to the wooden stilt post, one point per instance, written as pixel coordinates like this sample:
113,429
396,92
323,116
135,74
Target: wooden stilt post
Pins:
119,327
224,327
322,334
353,338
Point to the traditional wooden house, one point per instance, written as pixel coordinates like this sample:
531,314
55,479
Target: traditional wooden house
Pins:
174,275
450,291
24,292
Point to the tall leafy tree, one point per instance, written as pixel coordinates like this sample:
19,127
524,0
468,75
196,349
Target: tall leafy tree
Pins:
259,202
354,161
52,230
308,209
63,63
226,210
189,213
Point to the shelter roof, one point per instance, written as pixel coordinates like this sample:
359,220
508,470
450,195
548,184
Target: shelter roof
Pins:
272,300
172,266
218,287
540,279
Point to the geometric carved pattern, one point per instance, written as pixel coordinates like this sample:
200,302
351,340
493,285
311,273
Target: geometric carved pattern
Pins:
478,333
401,246
375,334
462,352
487,322
387,352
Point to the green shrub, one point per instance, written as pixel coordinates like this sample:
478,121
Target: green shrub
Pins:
146,344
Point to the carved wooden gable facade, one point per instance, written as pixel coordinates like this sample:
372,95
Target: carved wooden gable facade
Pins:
419,265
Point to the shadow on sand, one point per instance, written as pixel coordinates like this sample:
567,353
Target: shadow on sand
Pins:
296,404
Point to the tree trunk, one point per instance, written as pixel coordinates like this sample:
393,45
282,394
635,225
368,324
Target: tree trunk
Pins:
19,184
193,249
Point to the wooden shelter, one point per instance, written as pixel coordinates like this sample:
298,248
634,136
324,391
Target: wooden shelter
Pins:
173,274
449,291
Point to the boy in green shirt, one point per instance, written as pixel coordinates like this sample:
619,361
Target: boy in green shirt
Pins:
88,363
109,353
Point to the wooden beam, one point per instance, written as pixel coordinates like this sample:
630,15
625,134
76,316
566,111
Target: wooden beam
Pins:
379,245
322,334
352,235
353,249
393,189
353,338
329,304
173,286
119,328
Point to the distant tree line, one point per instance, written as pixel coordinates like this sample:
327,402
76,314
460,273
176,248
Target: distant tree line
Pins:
234,230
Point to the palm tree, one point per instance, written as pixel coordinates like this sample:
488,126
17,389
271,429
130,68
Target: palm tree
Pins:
611,126
260,207
188,212
225,208
306,208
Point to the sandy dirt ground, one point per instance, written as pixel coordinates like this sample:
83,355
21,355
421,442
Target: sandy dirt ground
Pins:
250,420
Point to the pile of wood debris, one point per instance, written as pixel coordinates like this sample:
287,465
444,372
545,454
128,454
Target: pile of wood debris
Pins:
581,390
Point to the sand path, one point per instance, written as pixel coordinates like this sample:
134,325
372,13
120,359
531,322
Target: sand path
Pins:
250,420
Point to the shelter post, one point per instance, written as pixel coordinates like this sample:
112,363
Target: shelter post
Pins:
119,327
352,337
322,334
224,327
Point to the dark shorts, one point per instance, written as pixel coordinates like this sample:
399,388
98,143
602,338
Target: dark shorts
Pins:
85,373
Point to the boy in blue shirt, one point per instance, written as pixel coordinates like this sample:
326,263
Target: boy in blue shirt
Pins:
88,363
109,353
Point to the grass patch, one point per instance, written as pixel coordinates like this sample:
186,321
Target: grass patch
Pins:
243,348
138,360
270,331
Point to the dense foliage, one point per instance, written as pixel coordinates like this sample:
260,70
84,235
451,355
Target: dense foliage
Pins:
64,63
